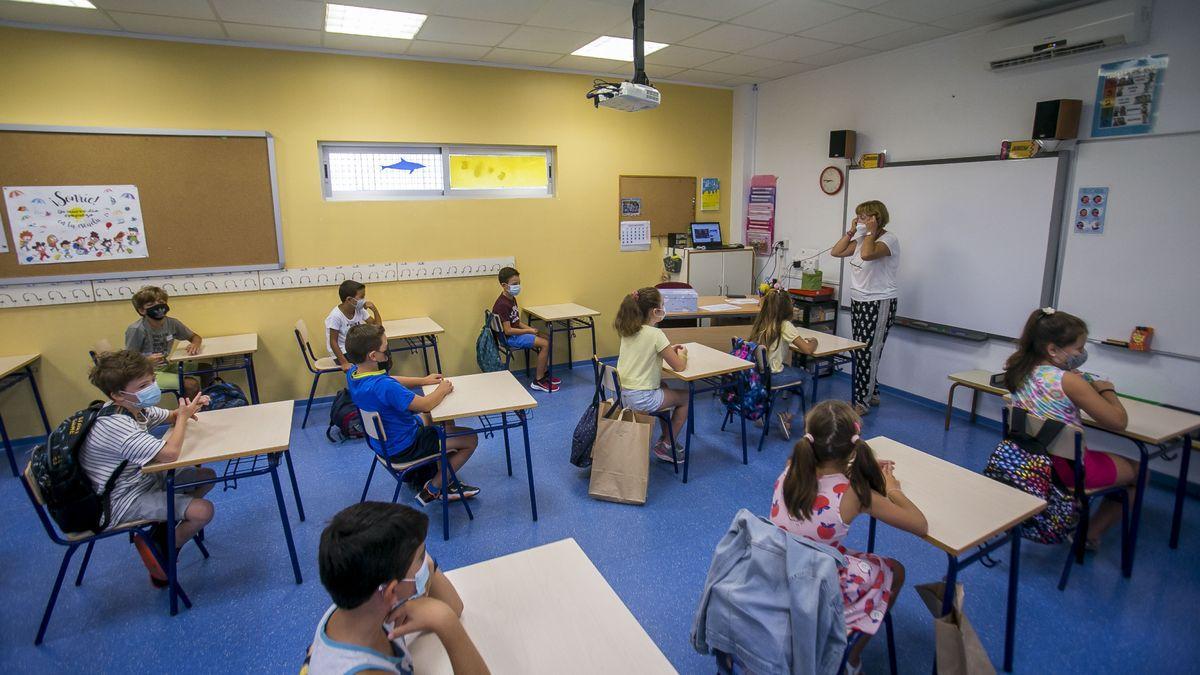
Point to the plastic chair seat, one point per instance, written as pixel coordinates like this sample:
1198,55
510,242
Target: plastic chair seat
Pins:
402,466
131,525
327,364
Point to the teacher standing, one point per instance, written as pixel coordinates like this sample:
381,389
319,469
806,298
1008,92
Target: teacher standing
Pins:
874,263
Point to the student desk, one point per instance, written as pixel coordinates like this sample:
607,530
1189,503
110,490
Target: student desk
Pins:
544,611
705,365
829,346
216,347
964,509
486,394
13,369
230,434
977,381
742,311
1156,425
564,318
419,332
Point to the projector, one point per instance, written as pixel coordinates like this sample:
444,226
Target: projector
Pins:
626,96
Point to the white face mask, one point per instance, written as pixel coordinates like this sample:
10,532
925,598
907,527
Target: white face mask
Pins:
360,303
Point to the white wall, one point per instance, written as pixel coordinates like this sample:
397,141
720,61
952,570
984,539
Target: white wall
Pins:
940,100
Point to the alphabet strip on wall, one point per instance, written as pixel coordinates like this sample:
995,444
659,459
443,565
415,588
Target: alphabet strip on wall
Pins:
72,292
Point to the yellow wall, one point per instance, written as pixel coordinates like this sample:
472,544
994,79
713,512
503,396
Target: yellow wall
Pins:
565,247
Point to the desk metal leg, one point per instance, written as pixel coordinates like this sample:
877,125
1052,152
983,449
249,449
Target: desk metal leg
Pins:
817,376
287,456
1181,490
592,329
169,554
8,449
507,448
550,357
437,358
287,527
528,462
570,347
37,397
766,421
445,487
950,403
425,354
691,426
1136,517
1010,617
250,378
871,537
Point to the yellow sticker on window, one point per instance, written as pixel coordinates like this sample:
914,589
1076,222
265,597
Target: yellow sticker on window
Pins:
497,172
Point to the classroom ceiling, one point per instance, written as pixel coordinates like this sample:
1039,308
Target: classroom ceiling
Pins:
713,42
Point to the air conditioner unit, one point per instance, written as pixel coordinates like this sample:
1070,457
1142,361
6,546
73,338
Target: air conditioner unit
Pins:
1103,25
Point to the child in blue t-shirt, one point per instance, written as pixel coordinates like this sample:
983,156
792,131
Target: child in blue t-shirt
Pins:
407,440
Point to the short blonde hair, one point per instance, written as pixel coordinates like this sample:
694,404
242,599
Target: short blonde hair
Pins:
873,208
147,295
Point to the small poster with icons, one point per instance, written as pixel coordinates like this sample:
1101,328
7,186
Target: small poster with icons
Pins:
1090,209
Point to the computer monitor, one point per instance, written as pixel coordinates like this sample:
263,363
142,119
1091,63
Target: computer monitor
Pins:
706,234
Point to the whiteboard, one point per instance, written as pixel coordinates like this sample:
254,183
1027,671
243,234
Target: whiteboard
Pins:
978,239
1144,270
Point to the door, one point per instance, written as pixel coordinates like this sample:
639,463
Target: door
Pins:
739,271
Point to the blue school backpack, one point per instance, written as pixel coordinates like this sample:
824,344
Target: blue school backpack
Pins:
223,395
487,355
744,393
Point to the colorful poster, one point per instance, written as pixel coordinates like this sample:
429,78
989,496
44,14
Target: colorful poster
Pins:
1089,210
1127,96
710,194
75,223
760,215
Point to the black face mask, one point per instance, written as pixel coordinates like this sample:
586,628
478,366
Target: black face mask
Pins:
157,312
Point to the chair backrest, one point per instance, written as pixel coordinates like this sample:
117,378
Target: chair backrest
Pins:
497,328
305,342
39,503
610,380
673,284
373,426
102,346
1062,445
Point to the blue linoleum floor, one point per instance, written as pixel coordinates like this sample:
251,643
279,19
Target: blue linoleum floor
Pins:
250,616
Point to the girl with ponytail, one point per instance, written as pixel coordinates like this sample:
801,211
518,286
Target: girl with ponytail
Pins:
832,478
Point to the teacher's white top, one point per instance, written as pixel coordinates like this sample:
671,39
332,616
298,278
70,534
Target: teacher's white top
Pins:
875,279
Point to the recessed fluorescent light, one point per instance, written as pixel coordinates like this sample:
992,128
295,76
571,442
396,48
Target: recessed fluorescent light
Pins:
373,22
82,4
616,48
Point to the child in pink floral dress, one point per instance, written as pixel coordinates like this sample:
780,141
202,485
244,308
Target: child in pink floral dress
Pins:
832,478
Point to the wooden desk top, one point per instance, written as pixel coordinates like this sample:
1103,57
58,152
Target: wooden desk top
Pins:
1151,423
219,435
545,611
412,327
566,310
11,364
706,362
742,310
978,379
214,347
482,394
828,344
964,508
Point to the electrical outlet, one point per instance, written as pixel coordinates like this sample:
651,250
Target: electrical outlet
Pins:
783,244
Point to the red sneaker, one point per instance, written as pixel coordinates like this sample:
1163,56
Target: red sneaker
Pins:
545,385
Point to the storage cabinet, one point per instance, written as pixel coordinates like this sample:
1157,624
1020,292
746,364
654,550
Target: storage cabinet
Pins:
727,271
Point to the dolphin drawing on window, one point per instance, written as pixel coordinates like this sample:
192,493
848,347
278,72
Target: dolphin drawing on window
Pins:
404,165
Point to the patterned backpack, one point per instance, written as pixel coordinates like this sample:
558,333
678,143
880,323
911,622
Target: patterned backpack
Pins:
744,393
1022,461
487,355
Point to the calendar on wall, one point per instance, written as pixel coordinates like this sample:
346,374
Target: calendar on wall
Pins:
635,235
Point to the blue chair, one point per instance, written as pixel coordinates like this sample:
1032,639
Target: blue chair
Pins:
316,366
607,380
507,352
377,442
762,367
1068,444
73,540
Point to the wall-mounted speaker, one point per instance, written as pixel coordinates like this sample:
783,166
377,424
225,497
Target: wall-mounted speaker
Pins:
841,143
1058,119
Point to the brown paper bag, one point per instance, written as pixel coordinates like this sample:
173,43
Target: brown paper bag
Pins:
959,651
621,456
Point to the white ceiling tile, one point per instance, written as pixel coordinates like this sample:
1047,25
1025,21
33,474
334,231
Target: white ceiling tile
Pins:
168,25
702,77
285,13
717,10
743,79
730,38
856,28
464,31
793,16
507,11
783,70
738,64
838,55
903,38
446,50
924,11
274,35
411,6
547,39
859,4
576,14
590,65
58,16
521,57
188,9
684,57
365,43
982,16
663,27
662,72
791,48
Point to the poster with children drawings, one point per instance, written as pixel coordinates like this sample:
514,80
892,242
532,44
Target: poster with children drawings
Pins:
75,223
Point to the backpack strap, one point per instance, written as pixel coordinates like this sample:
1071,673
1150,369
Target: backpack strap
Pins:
108,486
1017,431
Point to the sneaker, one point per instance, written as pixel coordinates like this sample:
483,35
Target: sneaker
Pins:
555,380
874,400
785,426
544,385
663,454
427,495
158,577
430,494
468,491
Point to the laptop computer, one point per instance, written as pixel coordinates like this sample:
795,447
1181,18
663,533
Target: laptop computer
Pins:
708,236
